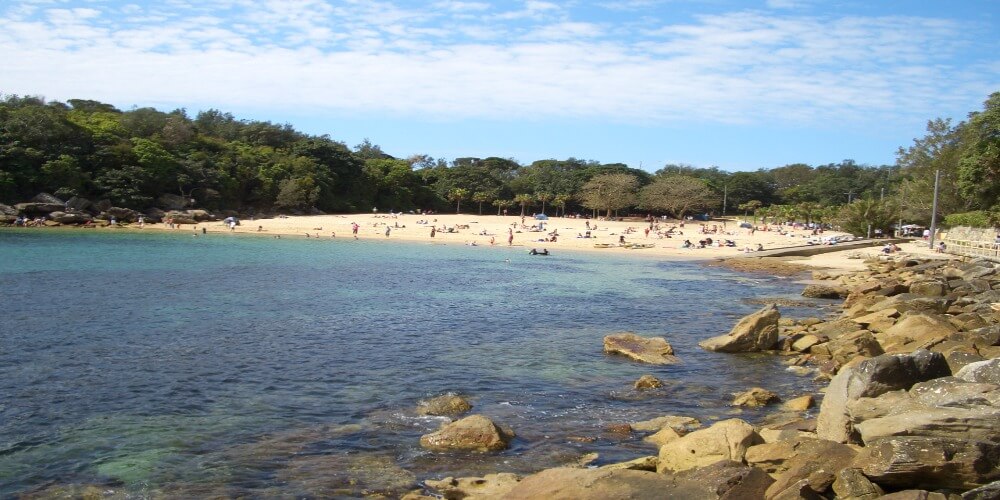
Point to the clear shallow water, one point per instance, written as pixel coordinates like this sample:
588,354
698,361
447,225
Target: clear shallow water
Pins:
158,363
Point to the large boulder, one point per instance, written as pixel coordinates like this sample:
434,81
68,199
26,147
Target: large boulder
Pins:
444,405
824,292
593,484
852,483
755,332
871,378
121,214
813,469
38,209
914,331
983,371
776,457
70,217
653,350
473,433
926,462
47,198
726,440
79,204
488,486
849,346
727,479
169,201
7,210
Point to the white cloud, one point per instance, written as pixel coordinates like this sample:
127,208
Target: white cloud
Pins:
465,59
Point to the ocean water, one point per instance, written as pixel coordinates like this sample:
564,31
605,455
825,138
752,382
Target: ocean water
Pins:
159,364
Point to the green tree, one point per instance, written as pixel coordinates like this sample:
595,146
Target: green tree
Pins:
750,206
610,192
678,194
939,150
543,197
560,200
297,193
501,204
457,195
864,214
64,176
979,164
524,200
482,197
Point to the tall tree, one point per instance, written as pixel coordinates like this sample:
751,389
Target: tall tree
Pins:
979,164
678,194
610,192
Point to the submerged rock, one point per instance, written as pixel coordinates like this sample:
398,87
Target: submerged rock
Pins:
646,382
444,405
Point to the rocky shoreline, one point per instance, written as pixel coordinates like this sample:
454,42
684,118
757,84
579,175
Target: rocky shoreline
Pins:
912,409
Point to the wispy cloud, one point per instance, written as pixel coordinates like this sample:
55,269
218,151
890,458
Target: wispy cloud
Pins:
471,59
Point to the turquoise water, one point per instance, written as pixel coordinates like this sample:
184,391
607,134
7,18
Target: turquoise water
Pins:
190,366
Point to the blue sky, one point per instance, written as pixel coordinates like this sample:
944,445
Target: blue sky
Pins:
736,84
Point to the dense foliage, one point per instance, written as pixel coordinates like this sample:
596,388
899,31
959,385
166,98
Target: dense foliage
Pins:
133,158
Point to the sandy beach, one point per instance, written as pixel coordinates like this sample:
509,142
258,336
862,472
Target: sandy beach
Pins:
569,235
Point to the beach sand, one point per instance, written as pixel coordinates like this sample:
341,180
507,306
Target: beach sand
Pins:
492,231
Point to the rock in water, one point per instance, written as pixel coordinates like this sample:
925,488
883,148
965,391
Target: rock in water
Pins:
445,405
647,382
473,433
756,332
653,350
756,398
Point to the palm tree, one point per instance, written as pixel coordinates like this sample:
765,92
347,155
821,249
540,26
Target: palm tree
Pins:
481,197
457,195
560,200
543,197
524,200
501,204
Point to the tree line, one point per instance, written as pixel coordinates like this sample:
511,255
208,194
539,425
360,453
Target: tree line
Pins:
132,158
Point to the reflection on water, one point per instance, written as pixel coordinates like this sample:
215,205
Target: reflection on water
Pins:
249,366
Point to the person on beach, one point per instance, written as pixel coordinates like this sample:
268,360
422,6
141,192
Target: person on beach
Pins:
388,228
510,237
433,231
354,229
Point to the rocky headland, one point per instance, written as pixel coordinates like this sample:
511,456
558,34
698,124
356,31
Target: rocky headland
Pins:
911,409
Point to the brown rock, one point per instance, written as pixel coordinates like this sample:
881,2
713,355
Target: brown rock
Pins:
646,382
816,463
682,425
662,437
851,483
728,480
824,292
592,484
755,398
445,405
801,403
473,433
653,350
641,463
755,332
933,463
726,440
488,486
